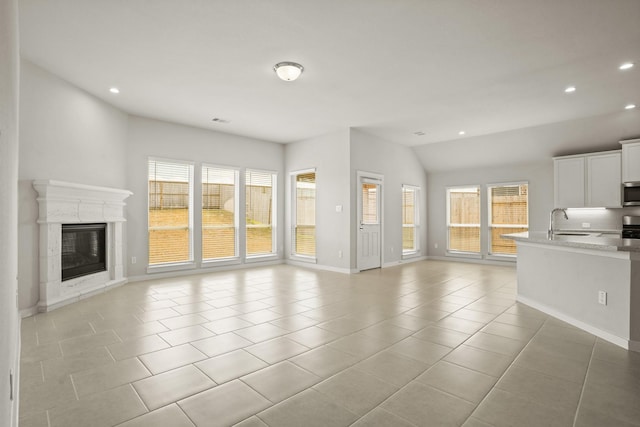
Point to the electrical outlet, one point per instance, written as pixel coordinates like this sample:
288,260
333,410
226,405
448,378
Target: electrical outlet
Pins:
586,225
391,249
435,245
133,260
339,254
602,297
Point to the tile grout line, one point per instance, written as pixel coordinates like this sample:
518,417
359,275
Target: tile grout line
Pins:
505,371
584,382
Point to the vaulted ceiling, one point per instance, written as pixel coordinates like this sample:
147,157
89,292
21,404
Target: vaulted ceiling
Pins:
388,67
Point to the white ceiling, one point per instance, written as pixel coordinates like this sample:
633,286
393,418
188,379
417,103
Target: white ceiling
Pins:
388,67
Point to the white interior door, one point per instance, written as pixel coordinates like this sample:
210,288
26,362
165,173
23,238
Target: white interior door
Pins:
369,223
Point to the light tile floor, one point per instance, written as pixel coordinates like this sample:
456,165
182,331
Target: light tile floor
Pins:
424,344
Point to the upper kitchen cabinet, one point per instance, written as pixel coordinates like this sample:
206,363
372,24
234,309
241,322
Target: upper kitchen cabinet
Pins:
568,177
588,180
630,160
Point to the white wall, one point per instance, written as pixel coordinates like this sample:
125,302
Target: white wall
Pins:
153,138
540,178
329,154
533,144
399,165
9,319
66,134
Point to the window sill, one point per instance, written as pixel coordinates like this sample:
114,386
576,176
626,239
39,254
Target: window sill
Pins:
507,258
261,258
163,268
220,262
463,254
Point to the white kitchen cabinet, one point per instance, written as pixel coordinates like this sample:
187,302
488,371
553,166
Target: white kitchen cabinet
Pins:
569,181
588,180
630,160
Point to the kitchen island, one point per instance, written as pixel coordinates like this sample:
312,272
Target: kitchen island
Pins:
590,280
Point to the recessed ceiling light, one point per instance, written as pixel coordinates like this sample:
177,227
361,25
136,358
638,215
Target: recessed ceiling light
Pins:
570,89
461,132
626,66
419,133
114,90
630,106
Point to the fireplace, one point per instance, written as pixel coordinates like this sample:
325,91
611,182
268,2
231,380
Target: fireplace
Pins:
81,241
83,250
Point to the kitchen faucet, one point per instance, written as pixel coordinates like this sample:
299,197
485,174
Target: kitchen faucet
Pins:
564,211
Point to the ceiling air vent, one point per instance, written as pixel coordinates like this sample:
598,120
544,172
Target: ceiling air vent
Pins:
219,120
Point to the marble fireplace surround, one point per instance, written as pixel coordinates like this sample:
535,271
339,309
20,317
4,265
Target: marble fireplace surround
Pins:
69,203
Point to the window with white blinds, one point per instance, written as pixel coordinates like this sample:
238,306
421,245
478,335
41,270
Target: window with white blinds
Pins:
508,213
170,221
219,213
370,204
410,219
463,219
304,214
260,191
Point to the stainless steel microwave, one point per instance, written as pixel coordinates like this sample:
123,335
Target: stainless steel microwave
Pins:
631,193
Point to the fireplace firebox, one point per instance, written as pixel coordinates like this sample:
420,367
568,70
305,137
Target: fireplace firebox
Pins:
83,249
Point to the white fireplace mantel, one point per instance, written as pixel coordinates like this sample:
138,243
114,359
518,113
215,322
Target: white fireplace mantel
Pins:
70,203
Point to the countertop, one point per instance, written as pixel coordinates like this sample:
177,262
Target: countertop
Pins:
593,240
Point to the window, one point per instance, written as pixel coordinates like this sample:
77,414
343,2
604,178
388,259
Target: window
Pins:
508,213
260,200
170,212
463,219
304,214
410,219
219,213
369,204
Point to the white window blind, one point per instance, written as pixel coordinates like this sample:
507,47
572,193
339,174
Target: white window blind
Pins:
219,213
409,219
260,212
304,233
170,212
370,204
463,219
508,213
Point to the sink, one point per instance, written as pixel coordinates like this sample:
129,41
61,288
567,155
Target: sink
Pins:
571,234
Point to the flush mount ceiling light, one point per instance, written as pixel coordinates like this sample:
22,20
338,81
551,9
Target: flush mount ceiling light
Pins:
288,71
630,106
626,66
114,90
570,89
461,132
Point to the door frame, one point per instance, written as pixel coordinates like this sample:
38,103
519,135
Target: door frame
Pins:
376,177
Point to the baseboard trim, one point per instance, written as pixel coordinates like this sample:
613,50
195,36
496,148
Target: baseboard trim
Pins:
607,336
320,267
405,261
206,270
29,311
473,260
